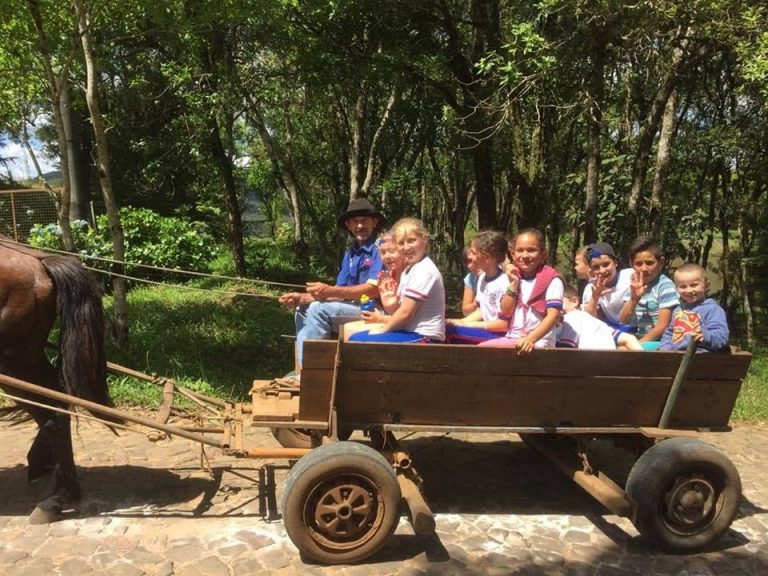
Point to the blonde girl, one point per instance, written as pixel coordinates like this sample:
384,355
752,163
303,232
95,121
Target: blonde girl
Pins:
420,312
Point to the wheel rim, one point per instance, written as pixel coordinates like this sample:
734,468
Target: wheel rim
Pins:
691,505
343,512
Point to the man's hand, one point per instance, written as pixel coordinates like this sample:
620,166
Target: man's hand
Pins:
291,299
320,290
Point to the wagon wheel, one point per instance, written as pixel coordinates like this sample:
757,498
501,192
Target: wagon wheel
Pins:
293,437
341,502
301,437
686,494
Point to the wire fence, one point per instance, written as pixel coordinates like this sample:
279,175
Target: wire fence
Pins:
22,209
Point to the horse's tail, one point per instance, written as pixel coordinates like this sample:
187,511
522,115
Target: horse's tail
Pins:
82,359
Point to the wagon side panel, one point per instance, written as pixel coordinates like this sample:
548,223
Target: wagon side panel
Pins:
316,380
465,385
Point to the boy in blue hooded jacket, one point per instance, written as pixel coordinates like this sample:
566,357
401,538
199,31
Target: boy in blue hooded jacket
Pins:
697,316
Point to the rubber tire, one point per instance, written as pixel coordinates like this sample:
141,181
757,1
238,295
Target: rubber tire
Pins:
653,477
293,437
315,475
301,437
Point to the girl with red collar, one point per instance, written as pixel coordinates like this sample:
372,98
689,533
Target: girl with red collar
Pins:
534,298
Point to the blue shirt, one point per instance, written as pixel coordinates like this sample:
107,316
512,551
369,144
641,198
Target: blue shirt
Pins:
360,265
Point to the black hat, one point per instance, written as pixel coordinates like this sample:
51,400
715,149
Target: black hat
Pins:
600,249
361,207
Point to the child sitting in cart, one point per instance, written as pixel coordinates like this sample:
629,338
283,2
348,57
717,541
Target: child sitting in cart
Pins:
652,295
605,294
697,316
420,313
389,279
577,329
469,300
488,250
534,297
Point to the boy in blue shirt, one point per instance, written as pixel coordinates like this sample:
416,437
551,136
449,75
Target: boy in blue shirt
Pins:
697,317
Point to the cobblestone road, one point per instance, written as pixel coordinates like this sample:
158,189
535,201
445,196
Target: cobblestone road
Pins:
500,509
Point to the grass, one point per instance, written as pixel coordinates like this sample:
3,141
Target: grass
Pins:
215,344
752,403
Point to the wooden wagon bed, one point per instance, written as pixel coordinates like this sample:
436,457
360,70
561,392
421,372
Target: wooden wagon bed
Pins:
680,492
466,386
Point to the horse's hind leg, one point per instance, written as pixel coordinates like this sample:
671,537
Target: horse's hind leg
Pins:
41,458
51,452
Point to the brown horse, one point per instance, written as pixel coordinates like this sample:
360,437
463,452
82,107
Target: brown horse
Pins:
35,289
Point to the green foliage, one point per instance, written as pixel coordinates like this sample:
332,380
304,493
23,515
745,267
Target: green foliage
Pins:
151,239
206,341
272,260
519,60
752,403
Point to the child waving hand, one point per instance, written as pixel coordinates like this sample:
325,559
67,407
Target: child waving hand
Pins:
534,298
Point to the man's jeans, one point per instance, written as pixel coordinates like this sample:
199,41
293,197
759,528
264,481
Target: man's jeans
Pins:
313,322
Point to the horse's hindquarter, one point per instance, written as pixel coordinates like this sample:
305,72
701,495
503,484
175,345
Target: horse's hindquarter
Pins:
27,307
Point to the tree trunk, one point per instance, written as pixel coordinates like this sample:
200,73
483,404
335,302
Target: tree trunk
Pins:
231,199
663,157
373,150
356,152
482,162
651,126
724,222
105,178
78,192
55,87
711,212
283,167
594,127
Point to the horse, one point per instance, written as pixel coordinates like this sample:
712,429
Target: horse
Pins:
36,288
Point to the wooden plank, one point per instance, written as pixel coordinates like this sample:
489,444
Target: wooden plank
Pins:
720,366
600,486
257,385
319,354
316,379
704,403
315,394
471,360
274,409
452,399
459,359
466,385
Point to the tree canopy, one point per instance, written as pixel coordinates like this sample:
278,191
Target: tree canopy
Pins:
589,119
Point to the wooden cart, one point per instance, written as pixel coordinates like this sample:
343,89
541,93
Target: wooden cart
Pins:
341,501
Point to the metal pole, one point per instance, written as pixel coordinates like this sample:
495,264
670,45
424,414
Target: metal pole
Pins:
677,384
13,217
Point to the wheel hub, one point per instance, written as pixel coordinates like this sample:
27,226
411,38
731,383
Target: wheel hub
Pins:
690,505
343,512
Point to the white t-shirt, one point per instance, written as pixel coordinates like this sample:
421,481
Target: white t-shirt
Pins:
424,283
581,330
612,300
526,319
489,294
